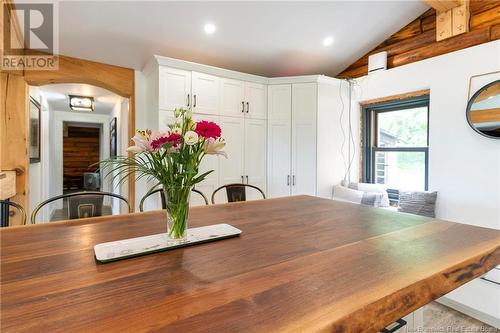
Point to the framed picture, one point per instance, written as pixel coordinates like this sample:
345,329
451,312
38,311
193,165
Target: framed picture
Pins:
34,128
112,138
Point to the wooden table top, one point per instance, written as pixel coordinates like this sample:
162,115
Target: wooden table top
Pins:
302,264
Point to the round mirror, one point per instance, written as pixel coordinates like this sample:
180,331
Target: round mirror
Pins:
483,110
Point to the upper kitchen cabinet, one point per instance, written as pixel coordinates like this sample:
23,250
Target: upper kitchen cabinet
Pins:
205,91
243,99
174,89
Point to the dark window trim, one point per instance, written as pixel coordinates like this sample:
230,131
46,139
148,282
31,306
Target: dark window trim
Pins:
370,138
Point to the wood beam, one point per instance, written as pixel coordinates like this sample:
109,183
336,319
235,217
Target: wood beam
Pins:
14,137
443,5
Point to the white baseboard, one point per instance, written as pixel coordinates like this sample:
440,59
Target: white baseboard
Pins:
481,316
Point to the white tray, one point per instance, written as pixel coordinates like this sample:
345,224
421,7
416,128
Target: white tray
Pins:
132,247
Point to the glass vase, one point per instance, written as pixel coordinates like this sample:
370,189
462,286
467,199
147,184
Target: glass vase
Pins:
177,206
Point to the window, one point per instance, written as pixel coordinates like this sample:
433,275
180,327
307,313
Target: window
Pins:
396,145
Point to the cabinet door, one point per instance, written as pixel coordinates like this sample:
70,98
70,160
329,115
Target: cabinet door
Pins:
256,97
279,101
232,169
255,156
174,88
304,106
209,162
278,158
205,93
232,100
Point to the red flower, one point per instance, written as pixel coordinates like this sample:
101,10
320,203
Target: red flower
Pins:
174,139
208,129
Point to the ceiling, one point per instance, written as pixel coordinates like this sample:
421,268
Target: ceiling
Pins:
264,38
56,96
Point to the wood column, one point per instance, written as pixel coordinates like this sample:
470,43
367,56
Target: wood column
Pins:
14,135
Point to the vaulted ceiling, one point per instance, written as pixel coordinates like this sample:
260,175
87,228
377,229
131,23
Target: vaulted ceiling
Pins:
265,38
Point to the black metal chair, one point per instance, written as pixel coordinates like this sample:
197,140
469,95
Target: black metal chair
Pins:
236,192
81,204
162,196
5,204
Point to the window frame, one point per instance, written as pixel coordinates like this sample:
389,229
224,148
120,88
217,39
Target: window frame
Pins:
370,139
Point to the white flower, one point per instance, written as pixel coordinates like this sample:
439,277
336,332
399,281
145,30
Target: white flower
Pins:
191,138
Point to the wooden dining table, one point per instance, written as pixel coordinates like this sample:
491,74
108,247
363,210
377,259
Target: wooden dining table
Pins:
301,264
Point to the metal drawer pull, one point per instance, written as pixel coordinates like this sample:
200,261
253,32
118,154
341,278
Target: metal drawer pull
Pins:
248,107
194,102
293,180
247,179
242,179
288,180
242,107
189,100
394,326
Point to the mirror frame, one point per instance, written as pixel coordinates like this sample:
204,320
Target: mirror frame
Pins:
469,105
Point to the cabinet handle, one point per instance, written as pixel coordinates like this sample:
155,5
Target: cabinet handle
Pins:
394,326
194,101
189,100
247,179
248,107
288,180
242,107
242,180
293,180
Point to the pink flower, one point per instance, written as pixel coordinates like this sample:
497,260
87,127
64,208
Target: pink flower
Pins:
173,139
142,143
213,147
208,129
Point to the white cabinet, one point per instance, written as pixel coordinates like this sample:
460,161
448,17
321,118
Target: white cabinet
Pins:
301,132
246,142
255,100
255,155
232,98
174,88
303,168
243,99
232,168
205,90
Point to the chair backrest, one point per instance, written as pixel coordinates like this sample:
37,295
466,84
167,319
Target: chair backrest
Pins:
162,196
81,204
6,204
236,192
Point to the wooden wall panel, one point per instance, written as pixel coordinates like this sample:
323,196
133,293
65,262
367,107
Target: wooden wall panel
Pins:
417,41
80,151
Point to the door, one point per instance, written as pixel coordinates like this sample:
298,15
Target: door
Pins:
278,157
205,93
174,88
304,107
232,100
255,156
255,100
279,101
231,170
209,162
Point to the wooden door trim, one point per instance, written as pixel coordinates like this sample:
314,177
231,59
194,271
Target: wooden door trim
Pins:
118,80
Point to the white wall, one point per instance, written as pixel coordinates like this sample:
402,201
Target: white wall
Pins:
464,167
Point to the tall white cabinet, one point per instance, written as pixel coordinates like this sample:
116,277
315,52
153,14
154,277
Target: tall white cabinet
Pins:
236,101
304,144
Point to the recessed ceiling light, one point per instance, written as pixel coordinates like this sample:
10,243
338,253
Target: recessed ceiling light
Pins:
328,41
209,28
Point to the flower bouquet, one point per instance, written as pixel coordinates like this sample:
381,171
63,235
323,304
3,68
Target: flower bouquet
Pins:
172,158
